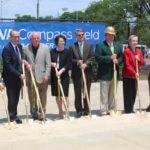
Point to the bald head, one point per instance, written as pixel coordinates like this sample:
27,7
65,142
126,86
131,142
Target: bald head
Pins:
35,38
14,37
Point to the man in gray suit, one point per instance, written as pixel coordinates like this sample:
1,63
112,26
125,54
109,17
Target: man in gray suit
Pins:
82,57
38,56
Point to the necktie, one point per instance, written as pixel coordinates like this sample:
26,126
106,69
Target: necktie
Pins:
17,53
19,58
81,49
112,48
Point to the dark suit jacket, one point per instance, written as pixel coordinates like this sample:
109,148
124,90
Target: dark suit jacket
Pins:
105,63
11,64
88,57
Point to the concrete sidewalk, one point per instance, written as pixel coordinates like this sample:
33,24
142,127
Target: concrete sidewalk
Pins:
125,131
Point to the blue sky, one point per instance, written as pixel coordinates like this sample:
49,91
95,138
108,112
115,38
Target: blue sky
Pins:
9,8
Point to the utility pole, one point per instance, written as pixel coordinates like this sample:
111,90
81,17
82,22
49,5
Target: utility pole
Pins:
38,4
77,15
1,11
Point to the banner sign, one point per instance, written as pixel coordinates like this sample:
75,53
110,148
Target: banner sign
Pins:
94,32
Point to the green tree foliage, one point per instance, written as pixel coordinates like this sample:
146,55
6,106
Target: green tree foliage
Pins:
76,15
28,18
25,18
121,14
127,16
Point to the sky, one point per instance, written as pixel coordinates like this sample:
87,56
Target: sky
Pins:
10,8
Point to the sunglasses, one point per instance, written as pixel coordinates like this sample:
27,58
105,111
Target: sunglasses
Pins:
80,34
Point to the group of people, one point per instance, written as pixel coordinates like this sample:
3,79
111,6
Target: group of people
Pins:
55,64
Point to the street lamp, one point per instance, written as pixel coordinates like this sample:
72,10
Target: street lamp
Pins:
128,20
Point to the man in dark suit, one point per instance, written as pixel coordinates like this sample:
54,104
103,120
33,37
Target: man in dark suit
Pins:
107,54
82,57
12,73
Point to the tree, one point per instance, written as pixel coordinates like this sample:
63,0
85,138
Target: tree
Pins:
28,18
25,18
122,14
127,16
75,16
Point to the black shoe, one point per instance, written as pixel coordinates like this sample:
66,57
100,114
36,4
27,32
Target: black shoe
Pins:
42,119
18,121
148,109
35,118
79,114
85,113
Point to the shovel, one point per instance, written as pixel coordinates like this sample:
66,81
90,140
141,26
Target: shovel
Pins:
25,97
86,93
138,92
38,96
9,124
114,112
60,91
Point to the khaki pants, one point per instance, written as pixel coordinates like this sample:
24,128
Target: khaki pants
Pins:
107,102
42,88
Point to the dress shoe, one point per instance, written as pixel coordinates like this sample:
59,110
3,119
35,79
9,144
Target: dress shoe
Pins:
148,109
42,119
85,113
18,121
34,118
79,114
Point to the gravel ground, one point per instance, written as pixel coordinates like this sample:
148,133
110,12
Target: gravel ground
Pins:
119,132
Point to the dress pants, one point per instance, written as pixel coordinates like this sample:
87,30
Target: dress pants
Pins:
129,94
13,93
149,82
107,102
78,89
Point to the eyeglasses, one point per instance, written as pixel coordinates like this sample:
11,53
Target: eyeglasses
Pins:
15,36
80,34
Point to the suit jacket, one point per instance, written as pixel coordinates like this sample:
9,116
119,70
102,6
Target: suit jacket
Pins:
87,58
105,63
41,64
12,68
129,69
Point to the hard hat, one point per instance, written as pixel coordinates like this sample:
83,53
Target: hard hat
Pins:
110,30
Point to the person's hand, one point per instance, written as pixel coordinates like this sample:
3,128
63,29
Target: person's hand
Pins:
1,87
22,77
114,56
45,79
53,65
83,66
59,73
137,58
115,61
29,67
137,75
80,62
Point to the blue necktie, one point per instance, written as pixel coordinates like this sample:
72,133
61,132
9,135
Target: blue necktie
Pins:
19,58
17,52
